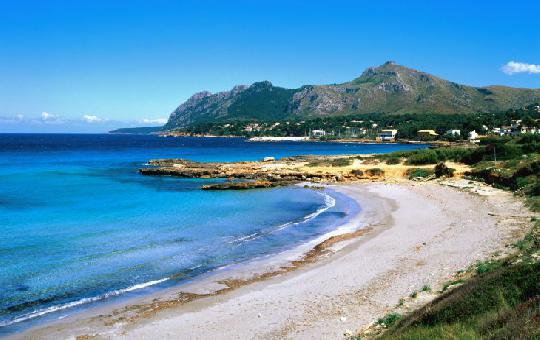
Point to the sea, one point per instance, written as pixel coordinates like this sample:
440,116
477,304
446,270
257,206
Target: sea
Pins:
79,226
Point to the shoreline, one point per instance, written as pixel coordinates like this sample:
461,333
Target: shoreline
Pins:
379,208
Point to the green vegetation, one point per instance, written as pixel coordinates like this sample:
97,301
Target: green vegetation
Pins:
441,170
389,319
426,288
375,172
355,125
393,160
419,173
336,162
451,283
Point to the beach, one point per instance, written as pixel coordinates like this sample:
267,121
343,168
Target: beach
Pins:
414,234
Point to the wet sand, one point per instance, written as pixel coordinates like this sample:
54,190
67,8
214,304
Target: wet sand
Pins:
413,234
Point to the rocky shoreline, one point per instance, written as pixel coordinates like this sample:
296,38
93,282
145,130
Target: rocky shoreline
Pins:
286,171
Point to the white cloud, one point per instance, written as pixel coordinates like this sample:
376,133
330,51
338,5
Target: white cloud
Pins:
512,67
154,121
48,117
13,119
91,119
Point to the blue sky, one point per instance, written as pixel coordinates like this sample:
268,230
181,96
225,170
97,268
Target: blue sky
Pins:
93,65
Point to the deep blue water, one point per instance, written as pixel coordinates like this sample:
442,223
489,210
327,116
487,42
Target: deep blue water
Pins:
78,224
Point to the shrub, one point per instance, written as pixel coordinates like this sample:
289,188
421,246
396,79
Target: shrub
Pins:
414,295
487,266
423,157
441,170
338,162
426,288
451,283
393,160
389,319
375,172
419,172
357,172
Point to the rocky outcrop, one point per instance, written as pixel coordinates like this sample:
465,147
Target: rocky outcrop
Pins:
264,174
241,185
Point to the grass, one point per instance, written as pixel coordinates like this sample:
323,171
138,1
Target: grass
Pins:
336,162
501,302
393,160
448,284
426,288
419,173
389,319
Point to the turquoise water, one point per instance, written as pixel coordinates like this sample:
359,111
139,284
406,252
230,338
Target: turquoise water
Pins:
79,225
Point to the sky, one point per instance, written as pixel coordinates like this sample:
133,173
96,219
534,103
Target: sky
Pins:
90,66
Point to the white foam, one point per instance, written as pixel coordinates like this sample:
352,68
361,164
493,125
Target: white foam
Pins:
43,311
329,202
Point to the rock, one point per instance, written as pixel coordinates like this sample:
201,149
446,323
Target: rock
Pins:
239,185
268,159
348,333
343,319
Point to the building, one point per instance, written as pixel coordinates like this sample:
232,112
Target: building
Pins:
317,133
387,135
502,131
473,135
453,132
427,133
252,127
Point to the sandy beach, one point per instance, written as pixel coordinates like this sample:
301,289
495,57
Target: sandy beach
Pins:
415,234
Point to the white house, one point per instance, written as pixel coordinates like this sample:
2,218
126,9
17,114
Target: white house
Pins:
473,135
387,135
318,133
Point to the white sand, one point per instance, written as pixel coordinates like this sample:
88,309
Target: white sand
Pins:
422,234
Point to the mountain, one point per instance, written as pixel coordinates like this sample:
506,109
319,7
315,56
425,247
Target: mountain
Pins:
389,88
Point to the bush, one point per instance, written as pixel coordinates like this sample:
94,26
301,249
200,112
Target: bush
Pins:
375,172
419,172
393,160
487,266
389,319
426,288
423,157
338,162
441,170
357,172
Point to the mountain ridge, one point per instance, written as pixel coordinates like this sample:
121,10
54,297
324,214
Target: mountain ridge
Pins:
388,88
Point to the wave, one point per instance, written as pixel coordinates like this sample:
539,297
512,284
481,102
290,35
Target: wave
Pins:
329,202
51,309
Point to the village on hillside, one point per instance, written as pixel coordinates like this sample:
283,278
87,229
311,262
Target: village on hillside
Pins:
378,128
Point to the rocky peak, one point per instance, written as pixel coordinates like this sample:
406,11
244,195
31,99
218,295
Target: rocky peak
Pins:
200,95
261,85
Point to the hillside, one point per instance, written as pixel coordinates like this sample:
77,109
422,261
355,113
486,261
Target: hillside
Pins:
389,88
